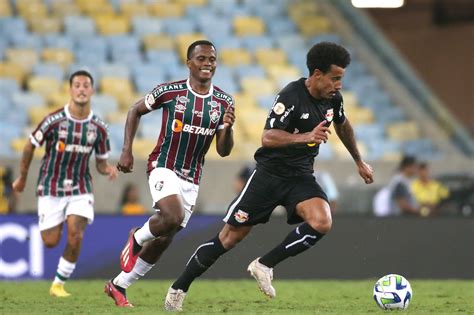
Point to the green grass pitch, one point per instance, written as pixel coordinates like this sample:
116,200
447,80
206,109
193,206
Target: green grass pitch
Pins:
237,297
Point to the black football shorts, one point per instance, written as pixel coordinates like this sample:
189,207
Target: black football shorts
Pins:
264,191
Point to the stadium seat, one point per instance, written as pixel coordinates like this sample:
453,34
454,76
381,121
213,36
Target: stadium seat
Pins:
58,41
5,9
12,26
25,58
248,26
184,40
244,101
27,99
19,143
403,131
45,25
37,113
79,26
120,88
143,25
253,70
61,8
95,8
112,24
133,10
314,25
270,57
43,85
175,26
290,42
235,57
52,70
13,71
286,73
258,86
26,41
166,9
57,99
103,104
61,56
116,70
31,9
252,43
158,42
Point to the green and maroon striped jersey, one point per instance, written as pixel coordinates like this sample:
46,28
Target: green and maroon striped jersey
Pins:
189,123
69,144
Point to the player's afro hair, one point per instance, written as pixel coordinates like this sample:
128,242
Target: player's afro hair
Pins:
197,43
322,55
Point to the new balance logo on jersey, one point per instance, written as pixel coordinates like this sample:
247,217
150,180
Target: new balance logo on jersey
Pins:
304,116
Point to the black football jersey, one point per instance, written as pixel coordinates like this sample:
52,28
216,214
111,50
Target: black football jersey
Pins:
296,111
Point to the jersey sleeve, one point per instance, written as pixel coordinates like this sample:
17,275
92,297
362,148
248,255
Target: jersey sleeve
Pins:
282,112
102,144
227,104
156,98
338,103
41,133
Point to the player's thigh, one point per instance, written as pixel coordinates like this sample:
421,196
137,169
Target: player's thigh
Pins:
255,203
50,218
170,193
76,225
307,201
81,206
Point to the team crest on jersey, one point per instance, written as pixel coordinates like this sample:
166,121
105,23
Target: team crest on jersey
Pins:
215,114
241,216
91,134
39,136
159,185
329,114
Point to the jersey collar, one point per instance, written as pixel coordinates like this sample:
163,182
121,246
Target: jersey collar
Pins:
68,115
211,90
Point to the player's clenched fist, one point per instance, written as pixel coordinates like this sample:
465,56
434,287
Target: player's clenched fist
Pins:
229,117
319,134
125,163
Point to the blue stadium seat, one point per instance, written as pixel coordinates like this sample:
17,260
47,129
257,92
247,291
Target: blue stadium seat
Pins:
123,43
281,27
290,42
266,101
146,25
79,26
12,26
147,75
224,79
163,57
377,147
176,26
369,132
325,38
53,70
249,71
126,57
27,99
103,104
252,43
58,41
225,41
26,40
150,127
214,27
117,70
8,86
177,73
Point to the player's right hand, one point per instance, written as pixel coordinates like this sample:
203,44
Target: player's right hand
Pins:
19,184
319,134
125,164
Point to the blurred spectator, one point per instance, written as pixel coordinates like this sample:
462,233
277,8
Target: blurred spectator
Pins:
242,177
329,186
429,193
397,198
130,204
7,195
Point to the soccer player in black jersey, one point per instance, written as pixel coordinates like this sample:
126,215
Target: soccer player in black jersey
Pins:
295,128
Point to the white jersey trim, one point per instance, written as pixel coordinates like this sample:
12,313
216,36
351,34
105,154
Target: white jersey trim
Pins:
211,90
242,193
68,115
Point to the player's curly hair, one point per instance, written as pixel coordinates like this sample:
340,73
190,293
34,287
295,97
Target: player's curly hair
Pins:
197,43
322,55
81,73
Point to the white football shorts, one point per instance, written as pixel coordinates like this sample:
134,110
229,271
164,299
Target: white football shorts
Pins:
164,182
53,211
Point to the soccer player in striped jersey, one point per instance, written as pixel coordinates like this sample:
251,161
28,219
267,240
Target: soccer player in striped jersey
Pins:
194,111
64,189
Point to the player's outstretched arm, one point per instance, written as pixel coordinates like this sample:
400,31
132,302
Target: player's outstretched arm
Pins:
125,163
277,138
225,137
345,132
28,151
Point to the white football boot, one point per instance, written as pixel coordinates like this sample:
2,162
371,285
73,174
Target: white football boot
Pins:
174,300
264,277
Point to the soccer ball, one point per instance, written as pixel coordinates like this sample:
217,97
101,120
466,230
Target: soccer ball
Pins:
392,292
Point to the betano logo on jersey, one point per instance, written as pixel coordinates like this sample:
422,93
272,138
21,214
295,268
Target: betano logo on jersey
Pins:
178,126
62,147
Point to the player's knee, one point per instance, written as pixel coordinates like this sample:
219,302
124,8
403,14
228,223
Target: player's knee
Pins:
50,242
322,225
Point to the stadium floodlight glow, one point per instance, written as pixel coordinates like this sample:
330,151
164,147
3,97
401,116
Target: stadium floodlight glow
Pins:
377,3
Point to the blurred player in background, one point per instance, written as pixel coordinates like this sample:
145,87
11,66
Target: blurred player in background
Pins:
194,110
64,187
297,124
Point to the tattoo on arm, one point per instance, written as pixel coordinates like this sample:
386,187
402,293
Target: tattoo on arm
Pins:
346,134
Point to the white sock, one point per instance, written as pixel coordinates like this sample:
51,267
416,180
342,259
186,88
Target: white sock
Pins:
144,234
65,269
125,280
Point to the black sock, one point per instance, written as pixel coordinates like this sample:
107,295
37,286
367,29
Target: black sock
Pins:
119,288
203,258
297,241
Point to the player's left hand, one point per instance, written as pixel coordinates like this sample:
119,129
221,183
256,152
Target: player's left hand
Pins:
112,172
229,117
366,172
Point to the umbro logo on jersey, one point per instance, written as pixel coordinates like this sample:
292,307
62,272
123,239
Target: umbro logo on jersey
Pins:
304,116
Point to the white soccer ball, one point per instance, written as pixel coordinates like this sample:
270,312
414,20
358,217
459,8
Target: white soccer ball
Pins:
392,292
